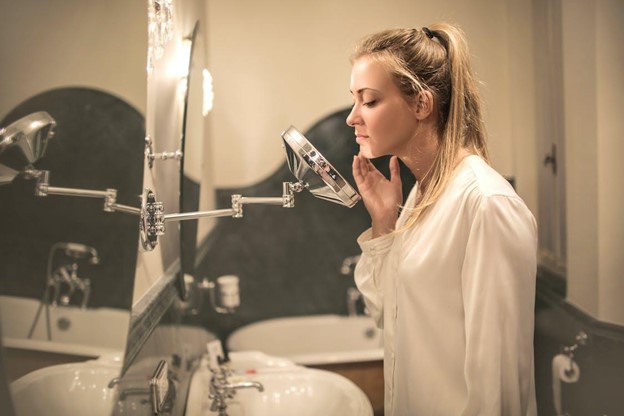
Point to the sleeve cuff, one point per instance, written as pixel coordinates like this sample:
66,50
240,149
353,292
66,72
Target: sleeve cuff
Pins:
375,246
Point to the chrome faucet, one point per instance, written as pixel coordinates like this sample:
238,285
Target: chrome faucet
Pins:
68,275
64,275
353,295
221,389
348,264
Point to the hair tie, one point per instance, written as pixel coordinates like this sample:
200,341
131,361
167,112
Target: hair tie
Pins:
428,32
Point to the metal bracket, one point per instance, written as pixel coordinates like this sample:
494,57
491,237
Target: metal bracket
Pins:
151,156
152,222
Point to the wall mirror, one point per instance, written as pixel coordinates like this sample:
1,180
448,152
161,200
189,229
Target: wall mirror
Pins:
192,146
67,267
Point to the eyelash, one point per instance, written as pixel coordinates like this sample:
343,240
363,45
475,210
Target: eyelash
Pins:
368,104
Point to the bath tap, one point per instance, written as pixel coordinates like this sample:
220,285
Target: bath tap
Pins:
348,265
221,389
353,295
66,274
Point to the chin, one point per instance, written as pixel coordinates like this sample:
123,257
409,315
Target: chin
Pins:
367,152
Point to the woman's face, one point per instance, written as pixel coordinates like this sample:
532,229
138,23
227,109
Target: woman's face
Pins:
384,121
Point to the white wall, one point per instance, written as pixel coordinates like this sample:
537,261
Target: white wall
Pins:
106,39
593,79
278,63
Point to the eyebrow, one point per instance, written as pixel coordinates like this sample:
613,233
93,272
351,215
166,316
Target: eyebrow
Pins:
361,90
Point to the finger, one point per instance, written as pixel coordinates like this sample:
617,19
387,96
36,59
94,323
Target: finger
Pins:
357,170
395,170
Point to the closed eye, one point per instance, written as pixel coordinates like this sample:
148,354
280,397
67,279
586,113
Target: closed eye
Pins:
370,103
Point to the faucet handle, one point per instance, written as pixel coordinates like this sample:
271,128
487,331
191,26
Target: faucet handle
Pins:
348,264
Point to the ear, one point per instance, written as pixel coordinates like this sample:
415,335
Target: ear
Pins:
424,105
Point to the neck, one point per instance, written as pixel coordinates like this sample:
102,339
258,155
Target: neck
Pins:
419,158
419,155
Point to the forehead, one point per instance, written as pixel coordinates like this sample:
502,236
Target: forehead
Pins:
368,73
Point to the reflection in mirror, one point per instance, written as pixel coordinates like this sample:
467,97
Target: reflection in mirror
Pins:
28,138
66,266
192,150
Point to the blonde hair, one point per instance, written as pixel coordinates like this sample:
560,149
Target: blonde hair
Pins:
434,59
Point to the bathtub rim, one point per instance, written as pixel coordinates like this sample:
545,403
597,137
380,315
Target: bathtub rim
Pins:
87,350
321,358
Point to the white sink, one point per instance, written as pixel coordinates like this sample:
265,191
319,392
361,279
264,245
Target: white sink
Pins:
67,389
288,390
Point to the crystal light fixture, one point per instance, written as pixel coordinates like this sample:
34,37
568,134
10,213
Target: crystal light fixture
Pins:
159,29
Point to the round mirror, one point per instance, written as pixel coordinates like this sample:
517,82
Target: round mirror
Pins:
192,150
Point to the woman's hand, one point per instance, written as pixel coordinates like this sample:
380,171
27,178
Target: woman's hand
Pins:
382,197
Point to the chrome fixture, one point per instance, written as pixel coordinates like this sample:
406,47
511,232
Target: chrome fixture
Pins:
43,188
221,389
348,264
29,135
65,275
151,156
581,340
161,389
353,296
311,169
153,218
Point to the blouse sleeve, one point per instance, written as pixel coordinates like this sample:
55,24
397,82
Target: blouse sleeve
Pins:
369,270
498,285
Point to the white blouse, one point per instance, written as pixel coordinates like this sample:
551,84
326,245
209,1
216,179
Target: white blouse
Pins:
455,297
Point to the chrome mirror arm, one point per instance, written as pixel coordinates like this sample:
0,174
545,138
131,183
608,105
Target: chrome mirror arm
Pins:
151,156
153,217
43,188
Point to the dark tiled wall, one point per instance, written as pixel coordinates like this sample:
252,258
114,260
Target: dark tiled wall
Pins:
98,144
601,361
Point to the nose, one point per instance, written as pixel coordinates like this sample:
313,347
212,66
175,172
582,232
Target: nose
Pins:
353,118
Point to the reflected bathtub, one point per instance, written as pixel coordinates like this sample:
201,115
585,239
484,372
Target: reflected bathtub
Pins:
312,340
81,332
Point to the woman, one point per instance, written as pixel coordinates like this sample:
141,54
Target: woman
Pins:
449,275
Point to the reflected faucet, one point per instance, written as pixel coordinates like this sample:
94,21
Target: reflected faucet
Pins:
348,264
353,296
68,275
65,275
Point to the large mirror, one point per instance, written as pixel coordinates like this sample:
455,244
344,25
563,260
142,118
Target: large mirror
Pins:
192,146
67,267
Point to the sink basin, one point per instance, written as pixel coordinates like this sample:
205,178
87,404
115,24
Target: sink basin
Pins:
288,390
67,389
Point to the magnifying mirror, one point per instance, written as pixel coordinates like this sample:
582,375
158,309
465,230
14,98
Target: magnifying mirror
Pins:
29,137
315,172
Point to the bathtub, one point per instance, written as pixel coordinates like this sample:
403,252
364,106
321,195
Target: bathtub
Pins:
76,331
312,340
